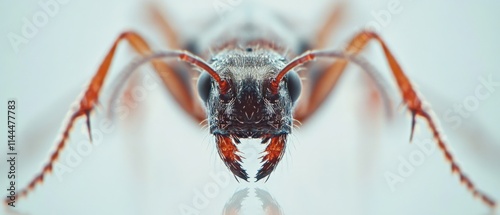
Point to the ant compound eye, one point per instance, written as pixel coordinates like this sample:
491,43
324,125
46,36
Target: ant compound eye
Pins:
204,86
294,85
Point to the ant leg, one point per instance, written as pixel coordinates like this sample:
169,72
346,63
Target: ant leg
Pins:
175,41
90,99
326,30
320,82
166,28
320,41
171,38
323,84
409,94
180,89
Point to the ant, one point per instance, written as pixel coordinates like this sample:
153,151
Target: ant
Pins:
249,86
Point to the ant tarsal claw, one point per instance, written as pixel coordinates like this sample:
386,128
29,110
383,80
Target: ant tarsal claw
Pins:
413,121
89,129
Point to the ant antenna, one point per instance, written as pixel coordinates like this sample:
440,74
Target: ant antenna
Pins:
311,56
182,56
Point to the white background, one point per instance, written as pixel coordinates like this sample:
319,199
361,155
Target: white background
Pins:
157,159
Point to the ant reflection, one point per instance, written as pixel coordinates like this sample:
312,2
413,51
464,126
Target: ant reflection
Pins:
243,198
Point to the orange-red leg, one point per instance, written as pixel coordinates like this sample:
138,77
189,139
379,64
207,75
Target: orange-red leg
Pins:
326,30
179,91
160,19
317,89
410,98
173,43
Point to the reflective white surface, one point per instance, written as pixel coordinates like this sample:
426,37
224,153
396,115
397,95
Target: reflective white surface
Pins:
157,160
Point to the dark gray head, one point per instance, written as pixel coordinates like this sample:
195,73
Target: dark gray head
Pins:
248,108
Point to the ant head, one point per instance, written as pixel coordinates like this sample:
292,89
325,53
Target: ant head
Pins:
248,106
